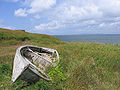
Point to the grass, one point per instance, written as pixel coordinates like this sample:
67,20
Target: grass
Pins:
86,66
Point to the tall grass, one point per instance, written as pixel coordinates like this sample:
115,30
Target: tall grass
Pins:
87,66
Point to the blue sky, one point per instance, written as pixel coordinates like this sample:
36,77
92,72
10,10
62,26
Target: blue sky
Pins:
56,17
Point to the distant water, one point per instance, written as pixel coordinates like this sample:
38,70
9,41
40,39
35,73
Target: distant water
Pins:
109,38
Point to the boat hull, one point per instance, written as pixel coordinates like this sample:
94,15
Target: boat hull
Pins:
24,69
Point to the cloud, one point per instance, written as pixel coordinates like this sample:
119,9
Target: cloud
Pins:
34,6
20,12
73,14
7,27
76,12
115,23
101,25
117,19
4,26
51,25
37,6
37,16
70,16
109,7
55,25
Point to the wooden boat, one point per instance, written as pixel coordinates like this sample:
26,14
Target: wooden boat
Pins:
31,63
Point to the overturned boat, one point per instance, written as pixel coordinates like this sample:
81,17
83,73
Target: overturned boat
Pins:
31,63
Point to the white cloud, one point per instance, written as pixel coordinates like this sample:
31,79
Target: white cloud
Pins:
76,12
109,7
21,12
117,19
7,27
37,6
115,23
55,25
52,25
37,16
87,13
73,14
102,25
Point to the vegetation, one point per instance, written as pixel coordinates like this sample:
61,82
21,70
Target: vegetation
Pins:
87,66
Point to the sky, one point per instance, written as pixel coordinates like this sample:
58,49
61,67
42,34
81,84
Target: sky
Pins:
61,17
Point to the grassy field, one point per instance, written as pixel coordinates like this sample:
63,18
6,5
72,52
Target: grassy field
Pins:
83,66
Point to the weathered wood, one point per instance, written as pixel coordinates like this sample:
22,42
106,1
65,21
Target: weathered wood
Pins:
30,63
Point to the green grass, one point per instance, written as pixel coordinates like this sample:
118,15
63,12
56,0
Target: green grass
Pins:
87,66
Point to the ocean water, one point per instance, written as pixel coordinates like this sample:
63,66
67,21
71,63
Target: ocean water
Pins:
105,38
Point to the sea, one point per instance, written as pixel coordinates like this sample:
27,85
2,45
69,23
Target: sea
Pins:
98,38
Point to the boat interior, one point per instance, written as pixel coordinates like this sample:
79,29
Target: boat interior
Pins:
39,56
